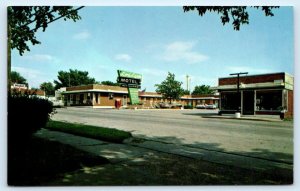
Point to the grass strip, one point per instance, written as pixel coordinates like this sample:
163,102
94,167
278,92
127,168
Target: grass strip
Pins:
101,133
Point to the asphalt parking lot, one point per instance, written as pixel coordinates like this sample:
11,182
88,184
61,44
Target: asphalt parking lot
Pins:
271,140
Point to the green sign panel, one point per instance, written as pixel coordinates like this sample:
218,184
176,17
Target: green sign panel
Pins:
132,81
134,95
126,74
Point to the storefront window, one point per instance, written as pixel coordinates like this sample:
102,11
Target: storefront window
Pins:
268,100
230,101
96,96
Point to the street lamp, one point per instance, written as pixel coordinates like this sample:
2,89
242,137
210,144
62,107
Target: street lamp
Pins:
238,88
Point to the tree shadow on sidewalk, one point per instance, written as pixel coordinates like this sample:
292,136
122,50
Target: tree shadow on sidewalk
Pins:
154,167
37,161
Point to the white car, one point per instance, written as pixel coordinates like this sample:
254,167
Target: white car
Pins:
200,106
211,106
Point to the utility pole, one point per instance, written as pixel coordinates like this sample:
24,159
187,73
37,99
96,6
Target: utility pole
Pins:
187,82
69,79
238,88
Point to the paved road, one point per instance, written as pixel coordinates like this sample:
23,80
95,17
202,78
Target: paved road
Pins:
263,139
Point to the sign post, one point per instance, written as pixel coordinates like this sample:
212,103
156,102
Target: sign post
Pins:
133,82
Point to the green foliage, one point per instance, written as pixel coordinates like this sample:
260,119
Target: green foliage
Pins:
106,134
170,88
238,14
26,114
24,21
203,89
15,77
186,92
73,78
48,88
110,83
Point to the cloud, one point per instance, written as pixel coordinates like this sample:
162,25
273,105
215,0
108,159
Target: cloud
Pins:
123,57
33,77
183,51
40,58
153,72
82,35
27,72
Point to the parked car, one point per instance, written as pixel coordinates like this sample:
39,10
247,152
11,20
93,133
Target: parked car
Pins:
200,106
176,105
164,105
211,106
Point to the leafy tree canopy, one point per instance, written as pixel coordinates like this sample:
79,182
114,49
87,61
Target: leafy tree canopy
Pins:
238,14
170,88
73,78
203,89
48,88
110,83
17,78
24,21
186,92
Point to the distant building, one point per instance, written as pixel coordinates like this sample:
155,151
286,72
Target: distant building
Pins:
19,86
22,88
203,99
259,94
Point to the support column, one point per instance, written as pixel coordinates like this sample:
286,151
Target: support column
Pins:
242,98
93,101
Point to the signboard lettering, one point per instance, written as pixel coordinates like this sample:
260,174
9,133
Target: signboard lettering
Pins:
129,80
127,74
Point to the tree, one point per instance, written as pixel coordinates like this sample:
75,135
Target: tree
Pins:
17,78
110,83
170,88
73,78
48,88
238,14
186,92
203,89
24,22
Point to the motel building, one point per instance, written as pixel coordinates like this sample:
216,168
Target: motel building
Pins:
268,94
23,89
104,96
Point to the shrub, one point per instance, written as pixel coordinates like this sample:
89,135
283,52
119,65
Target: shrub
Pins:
188,107
26,114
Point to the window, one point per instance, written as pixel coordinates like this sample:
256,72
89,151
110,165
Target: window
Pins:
111,96
268,100
230,100
96,96
81,98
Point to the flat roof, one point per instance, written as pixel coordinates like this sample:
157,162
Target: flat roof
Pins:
254,75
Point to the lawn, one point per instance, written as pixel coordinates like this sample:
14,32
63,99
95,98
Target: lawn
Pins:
101,133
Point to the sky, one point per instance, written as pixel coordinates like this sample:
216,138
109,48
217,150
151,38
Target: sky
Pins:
153,41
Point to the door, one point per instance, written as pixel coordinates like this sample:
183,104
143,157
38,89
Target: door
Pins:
124,100
248,102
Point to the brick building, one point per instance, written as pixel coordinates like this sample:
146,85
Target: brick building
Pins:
259,94
95,95
103,96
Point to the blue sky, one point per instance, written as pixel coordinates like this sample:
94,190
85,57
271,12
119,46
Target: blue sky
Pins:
154,40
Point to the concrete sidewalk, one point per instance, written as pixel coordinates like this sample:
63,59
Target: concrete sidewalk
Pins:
135,149
148,162
270,118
